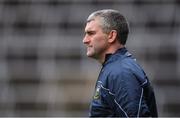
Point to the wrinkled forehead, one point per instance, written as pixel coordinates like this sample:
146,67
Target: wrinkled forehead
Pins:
94,18
93,23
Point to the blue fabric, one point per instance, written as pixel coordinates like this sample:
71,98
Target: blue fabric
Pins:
122,89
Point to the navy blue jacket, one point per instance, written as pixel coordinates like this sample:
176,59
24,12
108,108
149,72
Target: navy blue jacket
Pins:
122,89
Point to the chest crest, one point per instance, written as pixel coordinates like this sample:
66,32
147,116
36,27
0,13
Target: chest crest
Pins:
97,93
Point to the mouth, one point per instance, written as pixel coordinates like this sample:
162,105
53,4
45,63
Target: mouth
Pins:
89,46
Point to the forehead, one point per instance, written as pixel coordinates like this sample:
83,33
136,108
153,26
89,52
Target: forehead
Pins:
93,24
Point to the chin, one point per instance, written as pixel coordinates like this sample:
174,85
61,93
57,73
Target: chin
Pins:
90,54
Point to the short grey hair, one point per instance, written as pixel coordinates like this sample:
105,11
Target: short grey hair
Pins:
112,20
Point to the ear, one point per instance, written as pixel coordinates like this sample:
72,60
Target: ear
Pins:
112,36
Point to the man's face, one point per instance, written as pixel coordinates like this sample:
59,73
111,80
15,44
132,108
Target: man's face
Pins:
95,40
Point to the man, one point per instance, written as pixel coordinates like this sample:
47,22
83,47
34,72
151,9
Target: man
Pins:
122,88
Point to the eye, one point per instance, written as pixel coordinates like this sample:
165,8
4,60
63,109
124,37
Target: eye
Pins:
90,33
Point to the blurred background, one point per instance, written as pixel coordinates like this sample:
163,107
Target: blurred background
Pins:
44,70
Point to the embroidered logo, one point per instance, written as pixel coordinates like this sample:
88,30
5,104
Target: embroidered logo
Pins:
97,92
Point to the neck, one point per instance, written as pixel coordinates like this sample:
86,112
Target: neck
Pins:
110,50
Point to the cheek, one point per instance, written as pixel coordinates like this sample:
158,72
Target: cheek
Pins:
100,42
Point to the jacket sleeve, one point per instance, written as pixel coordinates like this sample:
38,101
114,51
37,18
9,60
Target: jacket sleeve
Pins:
128,94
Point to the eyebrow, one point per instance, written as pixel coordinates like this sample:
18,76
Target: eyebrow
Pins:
89,20
89,31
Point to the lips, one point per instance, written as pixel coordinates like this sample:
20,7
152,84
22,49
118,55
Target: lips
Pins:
89,46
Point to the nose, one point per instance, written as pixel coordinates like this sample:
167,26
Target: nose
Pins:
85,40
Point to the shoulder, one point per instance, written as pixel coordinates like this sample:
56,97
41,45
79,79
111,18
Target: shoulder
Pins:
126,71
118,72
123,69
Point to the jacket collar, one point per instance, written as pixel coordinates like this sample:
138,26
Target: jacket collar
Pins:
112,57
